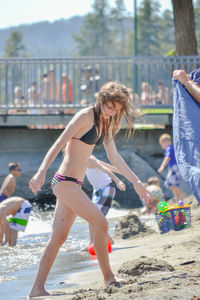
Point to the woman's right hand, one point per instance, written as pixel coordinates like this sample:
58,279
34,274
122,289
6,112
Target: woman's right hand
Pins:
142,192
37,182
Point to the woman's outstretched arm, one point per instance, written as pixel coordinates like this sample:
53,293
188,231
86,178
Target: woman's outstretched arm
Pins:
116,160
93,163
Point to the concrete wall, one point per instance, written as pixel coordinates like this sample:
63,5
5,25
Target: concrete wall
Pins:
142,153
29,146
34,140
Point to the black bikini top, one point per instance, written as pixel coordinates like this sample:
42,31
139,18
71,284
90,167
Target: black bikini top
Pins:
91,136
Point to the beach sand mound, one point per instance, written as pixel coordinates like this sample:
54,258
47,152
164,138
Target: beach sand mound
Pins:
142,265
174,274
129,226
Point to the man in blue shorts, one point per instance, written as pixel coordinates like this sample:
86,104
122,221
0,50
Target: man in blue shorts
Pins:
8,186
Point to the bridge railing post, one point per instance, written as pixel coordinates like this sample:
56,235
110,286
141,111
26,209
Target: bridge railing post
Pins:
6,89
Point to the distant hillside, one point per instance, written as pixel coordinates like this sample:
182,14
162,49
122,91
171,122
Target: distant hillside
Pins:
47,39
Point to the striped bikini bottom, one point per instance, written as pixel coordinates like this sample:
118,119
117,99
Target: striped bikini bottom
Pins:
58,178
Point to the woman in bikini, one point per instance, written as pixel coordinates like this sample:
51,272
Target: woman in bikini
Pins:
89,127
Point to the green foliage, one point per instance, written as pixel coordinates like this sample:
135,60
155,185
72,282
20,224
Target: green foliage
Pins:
148,27
118,18
166,36
105,31
115,29
14,46
95,35
172,52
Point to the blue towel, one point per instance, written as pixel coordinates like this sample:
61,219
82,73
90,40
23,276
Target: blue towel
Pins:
186,133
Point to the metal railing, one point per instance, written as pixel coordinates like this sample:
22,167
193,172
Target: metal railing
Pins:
55,85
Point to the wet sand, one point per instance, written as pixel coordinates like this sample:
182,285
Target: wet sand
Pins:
152,266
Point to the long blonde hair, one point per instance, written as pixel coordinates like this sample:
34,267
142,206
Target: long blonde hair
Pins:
115,92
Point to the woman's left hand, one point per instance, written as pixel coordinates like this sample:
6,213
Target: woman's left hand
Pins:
143,193
121,186
37,182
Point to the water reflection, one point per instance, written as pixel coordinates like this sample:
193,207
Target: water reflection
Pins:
18,264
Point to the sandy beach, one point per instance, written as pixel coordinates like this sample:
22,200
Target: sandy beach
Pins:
152,266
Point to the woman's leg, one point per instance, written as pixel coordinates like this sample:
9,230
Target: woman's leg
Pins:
63,220
103,201
81,205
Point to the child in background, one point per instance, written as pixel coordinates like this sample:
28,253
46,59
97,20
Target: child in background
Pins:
173,177
156,192
8,186
104,183
153,186
19,209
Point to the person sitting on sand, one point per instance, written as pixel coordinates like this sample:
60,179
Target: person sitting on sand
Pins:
8,186
90,126
14,214
156,192
104,183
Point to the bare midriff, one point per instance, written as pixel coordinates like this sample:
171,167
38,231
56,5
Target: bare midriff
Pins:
75,159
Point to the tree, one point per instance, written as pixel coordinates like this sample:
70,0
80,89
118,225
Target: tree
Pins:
95,35
14,46
197,21
186,43
166,33
86,39
119,18
148,27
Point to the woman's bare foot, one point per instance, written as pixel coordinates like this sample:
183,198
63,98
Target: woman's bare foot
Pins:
116,282
109,280
113,283
37,293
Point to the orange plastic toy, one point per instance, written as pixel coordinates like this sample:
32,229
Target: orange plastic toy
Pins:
91,248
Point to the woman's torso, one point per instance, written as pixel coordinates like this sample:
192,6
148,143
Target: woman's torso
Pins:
77,152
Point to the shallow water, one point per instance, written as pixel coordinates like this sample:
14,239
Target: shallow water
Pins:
18,264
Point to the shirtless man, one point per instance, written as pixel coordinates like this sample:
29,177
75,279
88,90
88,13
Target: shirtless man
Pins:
8,186
14,214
